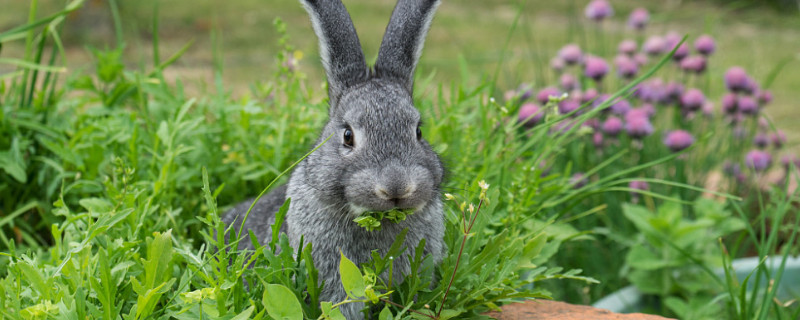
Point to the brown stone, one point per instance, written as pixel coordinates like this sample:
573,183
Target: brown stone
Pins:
552,310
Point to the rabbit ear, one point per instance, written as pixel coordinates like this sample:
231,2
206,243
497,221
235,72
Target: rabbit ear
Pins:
403,40
339,47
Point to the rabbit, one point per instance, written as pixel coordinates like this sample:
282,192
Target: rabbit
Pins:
376,158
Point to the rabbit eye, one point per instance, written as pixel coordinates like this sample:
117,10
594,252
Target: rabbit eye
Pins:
348,137
419,133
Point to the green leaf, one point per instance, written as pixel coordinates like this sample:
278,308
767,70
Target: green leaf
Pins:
35,278
639,216
449,314
646,281
244,315
386,314
96,205
312,282
159,253
642,258
281,303
329,313
13,166
352,279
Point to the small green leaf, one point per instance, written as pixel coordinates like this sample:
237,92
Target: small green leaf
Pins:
386,314
352,280
281,303
328,313
244,315
96,205
14,168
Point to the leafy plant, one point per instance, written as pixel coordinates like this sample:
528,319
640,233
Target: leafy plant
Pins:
671,255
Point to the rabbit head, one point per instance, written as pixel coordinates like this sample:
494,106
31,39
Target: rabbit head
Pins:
376,157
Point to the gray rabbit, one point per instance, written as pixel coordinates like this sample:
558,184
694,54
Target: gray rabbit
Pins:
376,158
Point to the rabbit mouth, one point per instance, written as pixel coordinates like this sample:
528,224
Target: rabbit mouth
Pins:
358,210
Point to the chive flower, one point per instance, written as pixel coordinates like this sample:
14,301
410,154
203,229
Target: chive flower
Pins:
758,160
678,140
704,45
638,18
598,10
530,114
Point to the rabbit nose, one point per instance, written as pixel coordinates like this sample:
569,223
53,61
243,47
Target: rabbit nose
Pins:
394,185
394,193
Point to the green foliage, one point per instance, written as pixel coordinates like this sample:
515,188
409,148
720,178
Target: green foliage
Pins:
672,254
371,220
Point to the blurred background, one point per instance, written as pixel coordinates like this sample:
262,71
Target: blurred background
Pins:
514,39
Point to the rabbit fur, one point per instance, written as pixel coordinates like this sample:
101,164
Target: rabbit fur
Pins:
375,158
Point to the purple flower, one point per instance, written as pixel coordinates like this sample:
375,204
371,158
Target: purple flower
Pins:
557,64
568,82
510,95
597,140
654,46
696,64
593,123
730,103
600,100
789,160
673,92
562,126
530,114
763,124
778,139
692,100
649,110
589,95
638,18
764,97
544,95
524,91
612,126
747,105
651,91
705,45
642,112
627,47
578,180
761,140
598,10
736,79
640,58
626,67
739,132
758,160
636,186
595,68
731,169
638,127
673,39
708,109
571,54
621,107
678,140
751,87
567,106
